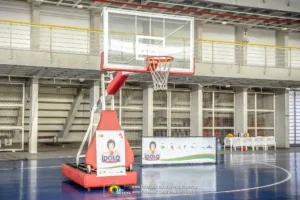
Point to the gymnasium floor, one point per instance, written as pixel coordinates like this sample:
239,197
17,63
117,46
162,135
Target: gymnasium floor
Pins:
259,175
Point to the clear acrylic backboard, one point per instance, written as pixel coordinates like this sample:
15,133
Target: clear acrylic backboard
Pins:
130,36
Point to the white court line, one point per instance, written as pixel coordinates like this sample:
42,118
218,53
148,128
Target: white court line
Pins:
229,163
231,191
6,169
202,193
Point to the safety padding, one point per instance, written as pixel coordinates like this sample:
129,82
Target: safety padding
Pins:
108,121
91,181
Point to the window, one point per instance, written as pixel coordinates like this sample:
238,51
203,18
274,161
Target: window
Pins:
218,114
261,114
171,113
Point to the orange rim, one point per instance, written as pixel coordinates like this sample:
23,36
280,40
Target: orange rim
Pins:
153,61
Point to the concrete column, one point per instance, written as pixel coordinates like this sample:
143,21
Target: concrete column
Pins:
148,110
95,23
282,39
241,110
282,118
33,118
241,50
196,111
35,31
94,97
198,29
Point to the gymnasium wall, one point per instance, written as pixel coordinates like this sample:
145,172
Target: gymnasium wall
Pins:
78,41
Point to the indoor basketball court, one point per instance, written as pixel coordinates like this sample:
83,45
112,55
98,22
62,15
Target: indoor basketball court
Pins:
147,99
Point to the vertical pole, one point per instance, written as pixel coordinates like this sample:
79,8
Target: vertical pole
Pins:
33,122
169,113
196,111
95,23
94,97
212,58
10,40
120,106
213,113
34,29
281,116
148,110
198,30
23,113
295,117
50,34
103,91
255,113
290,62
281,53
87,46
266,61
241,110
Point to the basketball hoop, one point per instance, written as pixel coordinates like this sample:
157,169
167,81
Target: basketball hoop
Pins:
159,67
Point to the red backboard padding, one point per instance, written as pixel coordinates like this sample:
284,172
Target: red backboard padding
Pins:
108,121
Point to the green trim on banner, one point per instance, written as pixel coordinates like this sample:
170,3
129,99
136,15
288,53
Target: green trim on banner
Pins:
191,157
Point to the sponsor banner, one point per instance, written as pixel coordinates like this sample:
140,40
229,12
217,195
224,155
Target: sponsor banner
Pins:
110,153
178,150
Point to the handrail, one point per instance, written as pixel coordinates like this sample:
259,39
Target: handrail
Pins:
50,25
101,31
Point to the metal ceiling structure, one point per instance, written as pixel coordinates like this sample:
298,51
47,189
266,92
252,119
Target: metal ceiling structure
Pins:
206,12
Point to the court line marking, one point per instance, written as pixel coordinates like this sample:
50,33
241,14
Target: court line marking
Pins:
244,162
201,193
30,168
229,191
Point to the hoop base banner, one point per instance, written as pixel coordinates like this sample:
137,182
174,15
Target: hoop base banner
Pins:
178,150
110,153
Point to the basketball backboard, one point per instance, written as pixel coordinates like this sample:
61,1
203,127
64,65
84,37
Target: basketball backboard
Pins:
130,36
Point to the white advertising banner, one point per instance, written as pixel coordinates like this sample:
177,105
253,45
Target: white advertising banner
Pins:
110,153
178,150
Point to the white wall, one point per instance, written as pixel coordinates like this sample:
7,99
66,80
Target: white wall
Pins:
223,53
76,41
15,11
21,34
257,54
294,40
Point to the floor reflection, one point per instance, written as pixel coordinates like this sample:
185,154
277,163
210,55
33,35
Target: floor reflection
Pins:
247,175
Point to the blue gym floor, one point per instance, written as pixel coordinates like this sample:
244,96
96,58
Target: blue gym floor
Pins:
259,175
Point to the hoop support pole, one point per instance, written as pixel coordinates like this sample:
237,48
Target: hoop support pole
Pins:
116,83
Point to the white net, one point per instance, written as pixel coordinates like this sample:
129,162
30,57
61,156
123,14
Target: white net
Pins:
159,67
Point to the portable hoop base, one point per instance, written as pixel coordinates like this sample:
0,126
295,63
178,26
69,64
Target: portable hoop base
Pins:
159,67
78,174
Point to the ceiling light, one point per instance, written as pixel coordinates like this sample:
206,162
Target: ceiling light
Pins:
284,29
79,6
224,22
